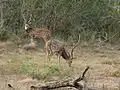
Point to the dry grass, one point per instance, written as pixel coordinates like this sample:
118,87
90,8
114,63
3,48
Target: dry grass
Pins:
104,63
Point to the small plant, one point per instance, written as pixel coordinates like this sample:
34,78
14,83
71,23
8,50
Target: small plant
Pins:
53,70
4,35
34,70
116,73
107,62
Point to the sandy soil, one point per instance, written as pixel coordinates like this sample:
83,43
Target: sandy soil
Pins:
104,62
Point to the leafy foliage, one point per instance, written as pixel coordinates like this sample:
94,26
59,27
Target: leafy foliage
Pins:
65,18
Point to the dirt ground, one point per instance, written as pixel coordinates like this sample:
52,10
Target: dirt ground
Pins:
104,62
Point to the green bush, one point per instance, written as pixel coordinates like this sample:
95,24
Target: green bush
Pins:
116,73
65,18
34,70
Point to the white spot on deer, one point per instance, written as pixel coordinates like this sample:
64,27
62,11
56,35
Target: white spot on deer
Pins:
26,26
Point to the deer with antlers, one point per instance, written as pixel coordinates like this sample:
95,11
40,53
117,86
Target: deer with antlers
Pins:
43,33
59,48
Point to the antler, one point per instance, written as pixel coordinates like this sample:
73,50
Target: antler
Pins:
75,47
23,15
27,15
29,21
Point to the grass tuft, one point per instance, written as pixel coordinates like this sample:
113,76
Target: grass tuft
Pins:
116,73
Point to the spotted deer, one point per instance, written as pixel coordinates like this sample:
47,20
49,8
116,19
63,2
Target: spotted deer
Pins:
56,47
43,33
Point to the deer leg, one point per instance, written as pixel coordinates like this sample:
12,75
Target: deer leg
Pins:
47,54
59,59
31,38
59,55
45,40
48,57
50,54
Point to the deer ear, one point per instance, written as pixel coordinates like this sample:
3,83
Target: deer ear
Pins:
29,22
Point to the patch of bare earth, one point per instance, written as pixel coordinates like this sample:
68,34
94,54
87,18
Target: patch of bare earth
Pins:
17,82
104,62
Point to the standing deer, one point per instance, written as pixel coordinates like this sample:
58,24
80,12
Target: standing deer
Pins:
54,46
43,33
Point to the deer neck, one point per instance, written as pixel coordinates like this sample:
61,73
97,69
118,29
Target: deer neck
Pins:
65,54
29,29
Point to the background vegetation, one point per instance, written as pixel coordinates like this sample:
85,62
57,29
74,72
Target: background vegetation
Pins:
96,21
93,19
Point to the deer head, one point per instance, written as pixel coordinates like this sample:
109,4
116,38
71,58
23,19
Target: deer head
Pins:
69,56
43,33
27,23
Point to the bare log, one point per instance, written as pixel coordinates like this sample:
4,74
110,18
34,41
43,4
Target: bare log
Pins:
66,83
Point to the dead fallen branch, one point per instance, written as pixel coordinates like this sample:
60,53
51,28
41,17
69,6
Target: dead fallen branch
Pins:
66,83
